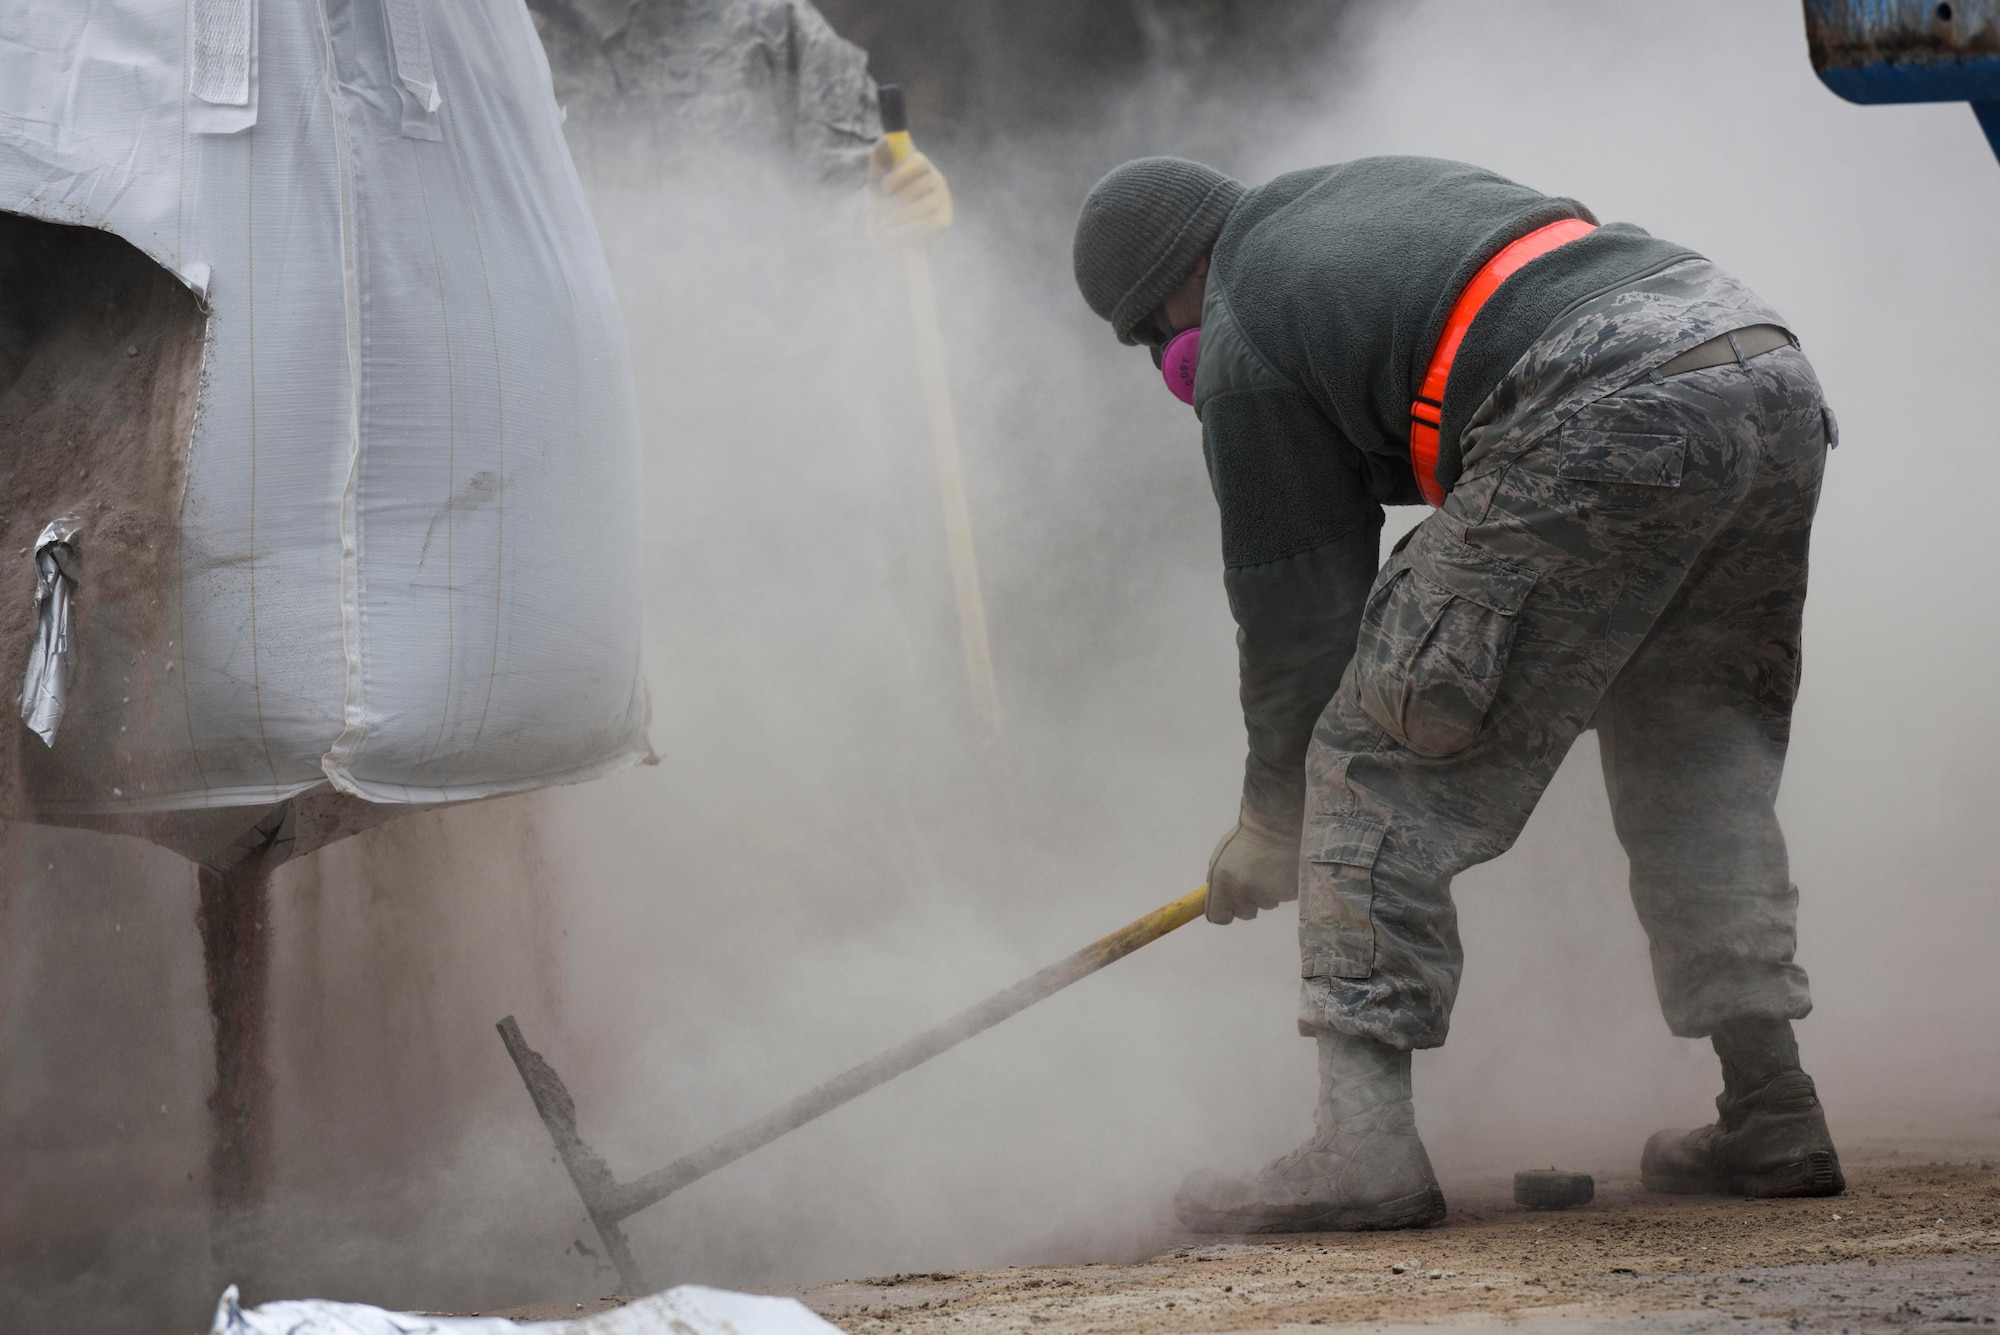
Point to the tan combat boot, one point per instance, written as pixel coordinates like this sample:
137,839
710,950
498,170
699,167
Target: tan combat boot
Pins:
1364,1168
1771,1138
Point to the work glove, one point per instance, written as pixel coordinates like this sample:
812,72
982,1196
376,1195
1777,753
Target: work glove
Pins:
1256,866
907,200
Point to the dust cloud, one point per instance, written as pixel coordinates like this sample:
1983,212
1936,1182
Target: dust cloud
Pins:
817,868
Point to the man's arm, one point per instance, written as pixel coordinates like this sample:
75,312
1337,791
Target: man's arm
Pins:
1296,621
1300,537
834,119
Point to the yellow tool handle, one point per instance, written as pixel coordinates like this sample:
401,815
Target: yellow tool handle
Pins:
895,122
957,513
615,1203
1143,932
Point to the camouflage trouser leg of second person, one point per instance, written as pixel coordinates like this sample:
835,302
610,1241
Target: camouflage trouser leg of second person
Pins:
1638,561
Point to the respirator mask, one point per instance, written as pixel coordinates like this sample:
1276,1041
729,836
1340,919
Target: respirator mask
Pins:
1176,361
1175,355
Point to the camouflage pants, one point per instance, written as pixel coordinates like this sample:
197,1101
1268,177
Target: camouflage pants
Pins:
1623,551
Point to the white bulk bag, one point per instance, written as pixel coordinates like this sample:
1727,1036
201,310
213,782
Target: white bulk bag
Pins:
409,538
685,1309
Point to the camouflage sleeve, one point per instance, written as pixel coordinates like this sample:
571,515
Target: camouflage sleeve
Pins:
578,69
837,119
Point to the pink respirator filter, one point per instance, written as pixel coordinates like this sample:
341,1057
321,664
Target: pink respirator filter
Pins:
1177,361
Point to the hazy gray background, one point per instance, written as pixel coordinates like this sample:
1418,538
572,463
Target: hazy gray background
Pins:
813,870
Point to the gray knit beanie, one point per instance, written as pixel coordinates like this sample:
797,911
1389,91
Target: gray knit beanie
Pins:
1142,229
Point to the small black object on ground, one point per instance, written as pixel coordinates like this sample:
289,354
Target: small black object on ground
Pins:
1552,1189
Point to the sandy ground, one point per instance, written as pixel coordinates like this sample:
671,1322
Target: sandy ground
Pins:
1912,1245
1915,1236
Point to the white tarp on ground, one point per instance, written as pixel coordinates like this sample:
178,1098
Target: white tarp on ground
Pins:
410,539
687,1309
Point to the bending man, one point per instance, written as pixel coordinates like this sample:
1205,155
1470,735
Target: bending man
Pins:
1623,446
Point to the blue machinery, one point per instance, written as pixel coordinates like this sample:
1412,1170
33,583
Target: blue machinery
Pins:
1876,51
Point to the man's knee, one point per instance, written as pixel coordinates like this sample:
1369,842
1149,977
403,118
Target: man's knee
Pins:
1378,935
1403,1012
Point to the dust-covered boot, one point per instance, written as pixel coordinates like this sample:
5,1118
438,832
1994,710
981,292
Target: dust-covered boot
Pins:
1771,1138
1364,1168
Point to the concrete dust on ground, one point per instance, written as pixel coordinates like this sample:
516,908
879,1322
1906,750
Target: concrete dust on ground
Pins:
1909,1245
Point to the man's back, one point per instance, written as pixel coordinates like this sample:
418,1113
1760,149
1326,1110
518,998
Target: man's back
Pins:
1340,278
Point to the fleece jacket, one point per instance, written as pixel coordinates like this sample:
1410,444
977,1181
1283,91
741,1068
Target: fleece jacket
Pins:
1327,291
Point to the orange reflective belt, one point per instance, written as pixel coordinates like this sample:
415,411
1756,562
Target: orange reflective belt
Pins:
1427,411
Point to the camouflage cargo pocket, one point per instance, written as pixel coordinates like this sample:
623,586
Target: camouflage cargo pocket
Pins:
1434,640
1337,899
1614,450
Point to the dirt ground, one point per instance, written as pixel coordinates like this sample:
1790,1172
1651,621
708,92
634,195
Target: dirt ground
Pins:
1911,1245
1627,1253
